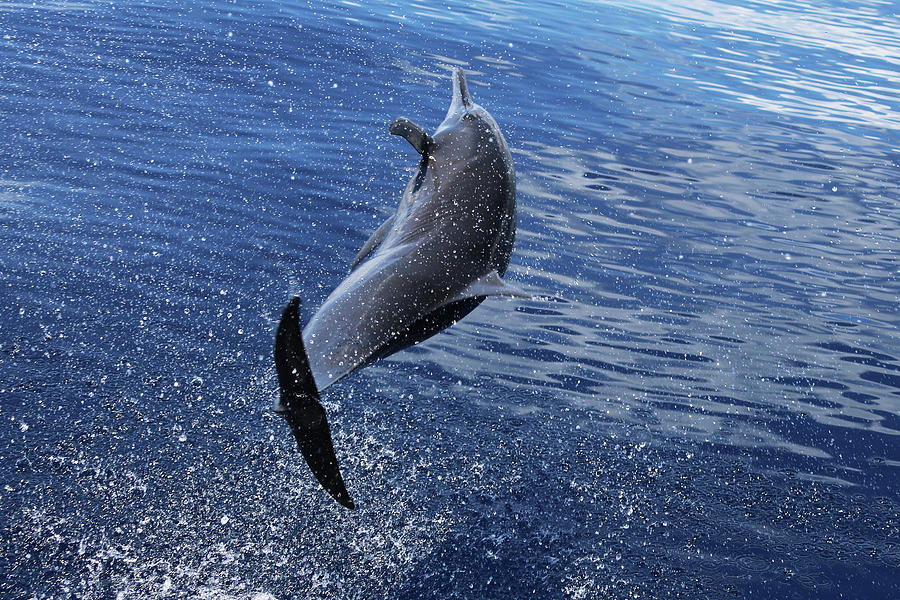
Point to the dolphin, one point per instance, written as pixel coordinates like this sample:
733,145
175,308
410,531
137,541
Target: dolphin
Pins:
431,263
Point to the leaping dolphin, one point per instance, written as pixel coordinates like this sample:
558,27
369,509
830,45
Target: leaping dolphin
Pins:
430,264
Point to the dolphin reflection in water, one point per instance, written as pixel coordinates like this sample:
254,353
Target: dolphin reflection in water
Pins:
430,264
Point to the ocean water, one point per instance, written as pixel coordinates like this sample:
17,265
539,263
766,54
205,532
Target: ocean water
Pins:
702,400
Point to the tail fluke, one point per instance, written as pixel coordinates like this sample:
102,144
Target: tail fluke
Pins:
299,405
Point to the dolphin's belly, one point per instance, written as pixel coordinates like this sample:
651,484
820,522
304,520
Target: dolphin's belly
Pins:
376,304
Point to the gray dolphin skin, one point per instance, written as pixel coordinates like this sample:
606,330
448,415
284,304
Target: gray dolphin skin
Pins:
430,264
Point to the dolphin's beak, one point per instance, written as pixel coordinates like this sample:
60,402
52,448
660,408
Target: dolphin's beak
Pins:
461,99
299,405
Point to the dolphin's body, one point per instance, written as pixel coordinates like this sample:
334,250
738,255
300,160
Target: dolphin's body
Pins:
430,264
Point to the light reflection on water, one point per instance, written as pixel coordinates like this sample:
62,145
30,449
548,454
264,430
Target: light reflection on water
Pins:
801,60
766,239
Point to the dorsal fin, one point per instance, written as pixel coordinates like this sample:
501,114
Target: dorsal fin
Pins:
488,284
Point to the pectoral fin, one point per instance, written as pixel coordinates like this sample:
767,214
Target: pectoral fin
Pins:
413,133
373,242
488,285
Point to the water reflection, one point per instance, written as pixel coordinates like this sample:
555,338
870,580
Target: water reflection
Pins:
803,61
721,271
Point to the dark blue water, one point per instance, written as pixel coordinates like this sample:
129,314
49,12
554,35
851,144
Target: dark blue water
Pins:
702,400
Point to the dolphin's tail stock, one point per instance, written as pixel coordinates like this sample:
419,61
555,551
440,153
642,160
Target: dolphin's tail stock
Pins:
300,406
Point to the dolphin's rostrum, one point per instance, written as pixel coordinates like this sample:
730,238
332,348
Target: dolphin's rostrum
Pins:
430,264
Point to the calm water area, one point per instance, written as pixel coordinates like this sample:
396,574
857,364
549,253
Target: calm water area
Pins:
701,400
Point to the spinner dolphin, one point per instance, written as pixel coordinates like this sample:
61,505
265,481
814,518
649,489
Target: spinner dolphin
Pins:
435,260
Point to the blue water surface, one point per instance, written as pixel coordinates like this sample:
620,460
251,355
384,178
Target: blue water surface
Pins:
702,400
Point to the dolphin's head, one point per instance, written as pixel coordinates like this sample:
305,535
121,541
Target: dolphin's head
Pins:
466,164
462,101
466,130
463,111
